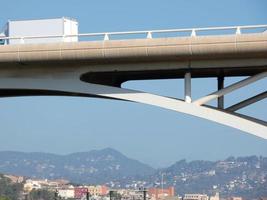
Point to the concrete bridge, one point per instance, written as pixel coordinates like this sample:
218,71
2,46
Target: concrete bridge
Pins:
98,68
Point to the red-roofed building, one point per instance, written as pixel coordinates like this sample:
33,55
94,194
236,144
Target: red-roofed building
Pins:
159,193
80,192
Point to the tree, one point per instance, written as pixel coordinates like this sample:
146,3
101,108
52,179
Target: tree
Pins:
41,194
8,190
4,198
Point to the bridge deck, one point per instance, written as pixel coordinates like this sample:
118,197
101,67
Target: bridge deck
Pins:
117,61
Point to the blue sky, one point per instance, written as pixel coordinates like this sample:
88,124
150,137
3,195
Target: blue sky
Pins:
152,135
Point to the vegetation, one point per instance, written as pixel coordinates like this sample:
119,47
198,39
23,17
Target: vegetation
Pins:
4,198
116,196
41,194
13,191
8,190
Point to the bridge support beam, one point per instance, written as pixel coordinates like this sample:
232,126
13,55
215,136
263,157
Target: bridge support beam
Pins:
187,87
247,102
230,88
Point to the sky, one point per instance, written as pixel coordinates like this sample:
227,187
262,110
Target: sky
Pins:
152,135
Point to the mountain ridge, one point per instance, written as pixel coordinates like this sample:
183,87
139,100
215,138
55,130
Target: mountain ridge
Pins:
87,167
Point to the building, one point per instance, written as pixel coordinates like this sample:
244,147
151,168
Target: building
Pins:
173,198
216,197
236,198
80,192
129,193
99,190
30,185
44,184
66,193
196,197
61,182
15,179
159,193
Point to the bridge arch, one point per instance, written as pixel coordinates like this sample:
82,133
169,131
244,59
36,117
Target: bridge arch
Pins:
72,87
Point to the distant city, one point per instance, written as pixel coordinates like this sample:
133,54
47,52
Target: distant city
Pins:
63,189
108,174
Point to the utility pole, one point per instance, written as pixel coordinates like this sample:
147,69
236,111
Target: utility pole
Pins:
56,195
162,182
87,195
110,194
144,192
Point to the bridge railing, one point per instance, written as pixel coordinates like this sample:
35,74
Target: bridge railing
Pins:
191,32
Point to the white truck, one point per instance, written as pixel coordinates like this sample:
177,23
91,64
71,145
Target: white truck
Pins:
39,31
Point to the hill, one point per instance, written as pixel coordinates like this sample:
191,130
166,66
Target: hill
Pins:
242,176
97,166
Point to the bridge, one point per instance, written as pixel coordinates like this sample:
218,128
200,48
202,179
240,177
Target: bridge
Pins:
98,65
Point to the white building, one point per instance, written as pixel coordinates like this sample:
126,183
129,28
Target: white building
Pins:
30,185
216,197
66,193
196,197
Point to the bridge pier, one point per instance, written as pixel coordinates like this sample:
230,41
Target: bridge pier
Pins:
187,87
220,101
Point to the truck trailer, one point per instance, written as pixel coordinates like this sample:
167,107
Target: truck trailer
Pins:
40,31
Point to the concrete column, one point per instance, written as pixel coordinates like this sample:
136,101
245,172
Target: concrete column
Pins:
220,101
187,87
